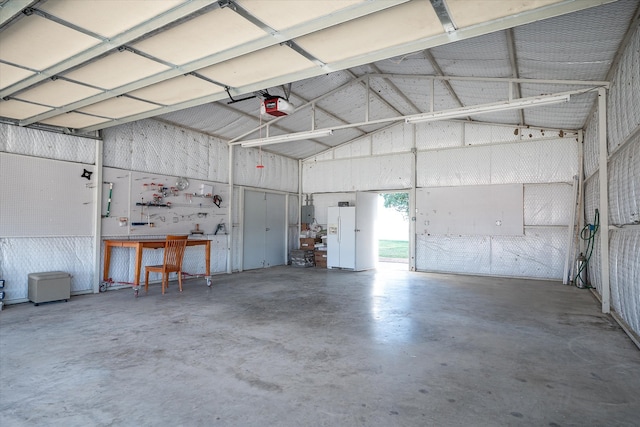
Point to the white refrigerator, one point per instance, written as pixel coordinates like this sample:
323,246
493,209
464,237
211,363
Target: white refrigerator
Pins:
352,241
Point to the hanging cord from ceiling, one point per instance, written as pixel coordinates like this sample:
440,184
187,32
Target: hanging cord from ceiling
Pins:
260,165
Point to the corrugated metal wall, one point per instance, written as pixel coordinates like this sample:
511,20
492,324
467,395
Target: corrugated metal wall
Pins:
461,154
623,143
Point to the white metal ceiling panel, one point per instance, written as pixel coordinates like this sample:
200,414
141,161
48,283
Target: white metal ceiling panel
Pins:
211,33
118,107
414,63
579,46
296,149
282,14
57,93
107,18
348,103
10,74
442,99
466,13
39,43
74,120
257,66
116,69
484,56
394,96
177,90
404,23
476,93
571,115
211,119
417,90
20,110
317,86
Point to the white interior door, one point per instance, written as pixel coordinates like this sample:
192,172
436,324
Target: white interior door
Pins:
254,236
264,232
366,245
275,240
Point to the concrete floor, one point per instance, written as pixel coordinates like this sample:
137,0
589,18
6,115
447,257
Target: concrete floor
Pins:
307,347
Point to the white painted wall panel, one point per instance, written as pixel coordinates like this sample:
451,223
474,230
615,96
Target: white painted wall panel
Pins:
358,148
365,173
22,256
37,143
43,197
156,147
554,160
483,210
459,254
477,134
539,253
279,173
548,204
449,167
439,135
396,139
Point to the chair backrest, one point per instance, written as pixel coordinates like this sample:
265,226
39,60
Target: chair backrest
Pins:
174,248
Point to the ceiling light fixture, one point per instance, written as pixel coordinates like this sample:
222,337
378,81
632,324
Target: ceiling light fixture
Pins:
288,137
488,108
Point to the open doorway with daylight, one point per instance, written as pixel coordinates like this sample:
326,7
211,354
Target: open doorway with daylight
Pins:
393,230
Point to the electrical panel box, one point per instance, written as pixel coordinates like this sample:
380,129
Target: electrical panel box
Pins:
307,214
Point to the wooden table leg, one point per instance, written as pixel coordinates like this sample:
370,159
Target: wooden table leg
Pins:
207,261
107,261
207,257
136,280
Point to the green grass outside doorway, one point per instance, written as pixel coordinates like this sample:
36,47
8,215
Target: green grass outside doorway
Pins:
393,249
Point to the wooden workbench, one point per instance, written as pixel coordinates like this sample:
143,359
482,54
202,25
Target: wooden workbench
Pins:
139,245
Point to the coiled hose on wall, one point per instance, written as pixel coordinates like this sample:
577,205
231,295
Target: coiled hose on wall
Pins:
588,234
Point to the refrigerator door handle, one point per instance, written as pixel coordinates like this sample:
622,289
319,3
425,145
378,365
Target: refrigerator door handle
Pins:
339,228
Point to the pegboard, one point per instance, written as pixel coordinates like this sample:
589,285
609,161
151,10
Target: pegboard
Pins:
490,210
146,204
43,197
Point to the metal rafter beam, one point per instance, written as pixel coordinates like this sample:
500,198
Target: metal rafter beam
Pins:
397,90
447,85
505,80
513,60
12,9
376,94
440,7
326,112
269,124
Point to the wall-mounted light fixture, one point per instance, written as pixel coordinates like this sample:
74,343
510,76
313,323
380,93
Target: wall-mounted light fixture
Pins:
288,137
487,108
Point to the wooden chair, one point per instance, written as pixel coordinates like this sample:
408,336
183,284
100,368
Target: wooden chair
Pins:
173,254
